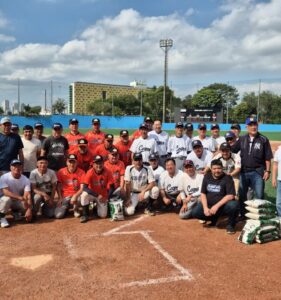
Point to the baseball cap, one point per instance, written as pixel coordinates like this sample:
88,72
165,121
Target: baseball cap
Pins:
113,151
41,158
235,126
124,132
27,127
143,126
179,124
251,120
82,142
202,126
153,156
148,119
188,162
229,135
73,121
109,136
97,159
15,162
57,126
188,126
225,146
5,120
137,156
215,126
196,143
96,120
72,157
38,124
14,126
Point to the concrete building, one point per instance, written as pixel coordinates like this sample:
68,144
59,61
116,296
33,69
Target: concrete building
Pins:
82,93
15,108
5,106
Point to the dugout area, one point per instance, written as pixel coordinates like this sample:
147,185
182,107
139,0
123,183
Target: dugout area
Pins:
139,258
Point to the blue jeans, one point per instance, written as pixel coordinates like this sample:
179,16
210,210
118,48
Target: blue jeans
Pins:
278,199
250,179
230,209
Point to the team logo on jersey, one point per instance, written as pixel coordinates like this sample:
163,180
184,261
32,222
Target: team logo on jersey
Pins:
257,146
171,189
213,188
143,149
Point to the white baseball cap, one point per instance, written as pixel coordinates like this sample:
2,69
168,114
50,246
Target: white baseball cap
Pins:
5,120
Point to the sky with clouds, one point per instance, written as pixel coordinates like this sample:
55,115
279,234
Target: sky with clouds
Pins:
112,41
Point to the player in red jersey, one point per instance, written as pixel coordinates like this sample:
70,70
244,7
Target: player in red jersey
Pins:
98,187
95,136
123,147
74,135
84,155
104,149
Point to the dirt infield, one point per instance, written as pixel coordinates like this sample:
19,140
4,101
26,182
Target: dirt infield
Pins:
275,145
140,258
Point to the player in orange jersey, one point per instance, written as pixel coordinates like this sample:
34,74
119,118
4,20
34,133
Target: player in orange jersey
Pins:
84,155
148,122
74,135
104,149
95,136
123,147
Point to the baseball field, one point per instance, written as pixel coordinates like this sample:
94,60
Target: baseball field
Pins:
143,257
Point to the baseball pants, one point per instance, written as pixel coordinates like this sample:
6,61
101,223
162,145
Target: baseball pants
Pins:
190,206
7,203
102,207
47,211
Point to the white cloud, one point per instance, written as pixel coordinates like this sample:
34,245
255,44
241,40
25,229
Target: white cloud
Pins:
245,40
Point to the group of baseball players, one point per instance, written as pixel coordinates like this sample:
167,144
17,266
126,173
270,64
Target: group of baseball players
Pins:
197,176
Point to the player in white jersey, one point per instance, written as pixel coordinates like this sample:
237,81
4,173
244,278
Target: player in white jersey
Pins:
170,184
191,189
188,130
200,157
140,186
208,142
178,146
157,170
161,137
144,144
215,134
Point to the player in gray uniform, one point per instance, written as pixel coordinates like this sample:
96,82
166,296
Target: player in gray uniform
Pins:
188,130
178,146
157,170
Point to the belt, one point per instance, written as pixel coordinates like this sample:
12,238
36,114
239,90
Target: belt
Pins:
136,192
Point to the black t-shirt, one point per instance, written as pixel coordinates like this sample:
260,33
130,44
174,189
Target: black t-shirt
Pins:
216,189
56,149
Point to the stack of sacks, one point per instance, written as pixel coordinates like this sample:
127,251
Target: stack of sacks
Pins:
262,225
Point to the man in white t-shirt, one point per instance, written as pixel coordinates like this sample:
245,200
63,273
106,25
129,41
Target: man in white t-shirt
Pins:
31,150
200,157
191,189
215,134
140,186
208,142
144,144
15,194
178,146
43,184
161,137
276,178
157,170
170,184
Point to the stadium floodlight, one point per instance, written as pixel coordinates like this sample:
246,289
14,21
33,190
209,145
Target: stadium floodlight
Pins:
166,45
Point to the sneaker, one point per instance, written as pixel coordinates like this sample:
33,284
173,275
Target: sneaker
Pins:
4,223
230,229
76,214
202,221
84,219
17,216
149,212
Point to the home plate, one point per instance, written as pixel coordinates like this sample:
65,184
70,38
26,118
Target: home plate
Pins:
31,262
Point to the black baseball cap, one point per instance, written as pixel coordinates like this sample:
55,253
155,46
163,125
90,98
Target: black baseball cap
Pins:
153,156
137,156
202,126
57,126
113,151
82,142
251,120
96,120
143,126
109,136
188,126
73,121
27,127
215,126
188,162
229,135
235,126
72,157
196,143
225,146
38,124
14,126
15,162
98,159
124,132
179,125
42,158
148,119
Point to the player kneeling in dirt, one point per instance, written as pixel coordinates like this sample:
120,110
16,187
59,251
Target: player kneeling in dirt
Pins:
69,187
191,189
98,187
140,186
217,198
43,184
15,194
170,183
